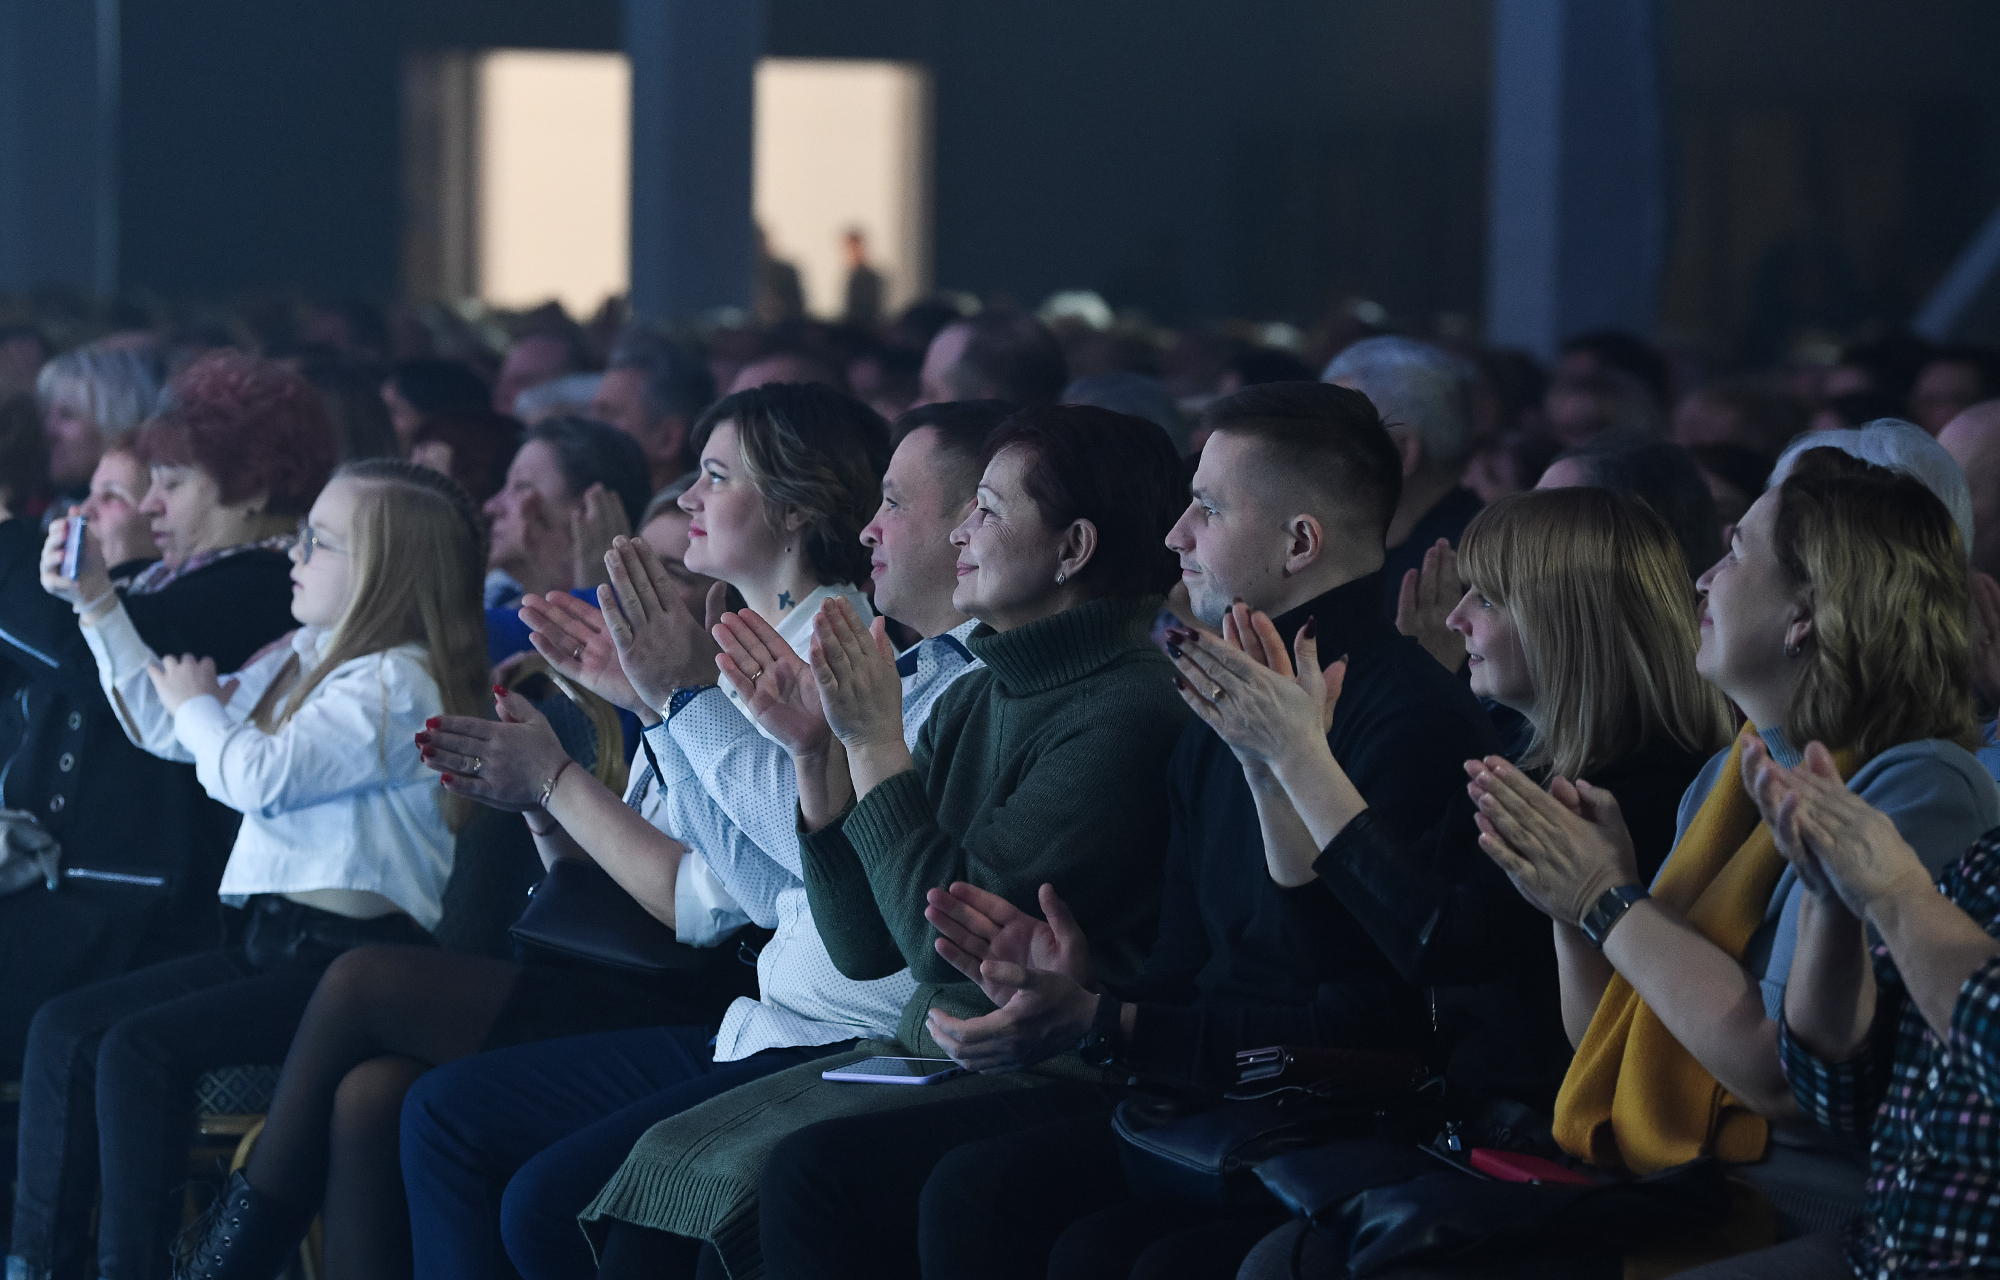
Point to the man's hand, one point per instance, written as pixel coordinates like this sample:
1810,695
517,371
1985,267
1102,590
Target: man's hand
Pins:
661,646
855,667
1427,598
503,765
975,925
177,680
598,522
1045,1014
574,639
776,686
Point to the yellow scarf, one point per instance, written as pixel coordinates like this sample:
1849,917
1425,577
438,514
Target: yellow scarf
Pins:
1634,1098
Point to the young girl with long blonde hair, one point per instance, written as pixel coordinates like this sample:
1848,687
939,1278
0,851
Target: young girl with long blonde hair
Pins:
345,838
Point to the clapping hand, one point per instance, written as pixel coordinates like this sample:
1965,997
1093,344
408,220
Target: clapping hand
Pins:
576,643
596,524
1427,598
975,925
177,680
1038,973
855,667
776,686
660,645
1561,860
1248,691
503,765
1841,845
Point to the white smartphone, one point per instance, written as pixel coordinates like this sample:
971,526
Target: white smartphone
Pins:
896,1071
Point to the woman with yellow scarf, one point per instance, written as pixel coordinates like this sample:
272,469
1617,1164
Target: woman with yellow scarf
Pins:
1839,613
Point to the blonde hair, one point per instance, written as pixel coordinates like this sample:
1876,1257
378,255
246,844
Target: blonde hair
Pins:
1599,594
1889,657
418,561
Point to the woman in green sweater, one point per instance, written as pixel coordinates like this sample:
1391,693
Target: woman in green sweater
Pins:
1046,767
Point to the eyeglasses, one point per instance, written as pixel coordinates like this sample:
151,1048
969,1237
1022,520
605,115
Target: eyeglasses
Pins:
307,542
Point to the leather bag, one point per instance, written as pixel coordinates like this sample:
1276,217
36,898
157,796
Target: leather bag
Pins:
578,912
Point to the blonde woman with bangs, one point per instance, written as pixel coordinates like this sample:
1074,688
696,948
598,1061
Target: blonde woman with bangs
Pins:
345,836
1838,615
1579,617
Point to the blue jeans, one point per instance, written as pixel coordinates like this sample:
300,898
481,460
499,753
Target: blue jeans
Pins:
502,1150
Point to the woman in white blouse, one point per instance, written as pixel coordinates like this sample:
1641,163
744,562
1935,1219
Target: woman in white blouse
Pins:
345,838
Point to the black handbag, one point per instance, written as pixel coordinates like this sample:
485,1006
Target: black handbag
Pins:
1207,1151
1383,1206
579,913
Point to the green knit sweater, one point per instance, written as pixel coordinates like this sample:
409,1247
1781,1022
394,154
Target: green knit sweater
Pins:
1049,765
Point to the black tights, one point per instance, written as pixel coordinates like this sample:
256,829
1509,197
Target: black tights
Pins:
381,1017
641,1253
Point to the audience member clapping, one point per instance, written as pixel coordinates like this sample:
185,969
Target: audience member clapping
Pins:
1839,615
535,513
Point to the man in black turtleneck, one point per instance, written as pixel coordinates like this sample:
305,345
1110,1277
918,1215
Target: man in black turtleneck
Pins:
1295,490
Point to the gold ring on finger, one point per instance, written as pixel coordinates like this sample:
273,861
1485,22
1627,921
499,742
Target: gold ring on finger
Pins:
577,654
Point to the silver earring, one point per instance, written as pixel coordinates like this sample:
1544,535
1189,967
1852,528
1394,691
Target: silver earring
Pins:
1059,577
1792,650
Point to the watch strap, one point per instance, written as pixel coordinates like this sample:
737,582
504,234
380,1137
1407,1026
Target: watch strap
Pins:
1099,1046
1608,910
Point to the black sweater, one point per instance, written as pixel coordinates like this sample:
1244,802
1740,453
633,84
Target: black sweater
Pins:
1446,916
1225,972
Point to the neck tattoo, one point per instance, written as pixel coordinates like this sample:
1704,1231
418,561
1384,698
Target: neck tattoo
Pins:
784,600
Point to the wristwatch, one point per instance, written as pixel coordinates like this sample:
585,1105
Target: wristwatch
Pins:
1099,1046
1598,922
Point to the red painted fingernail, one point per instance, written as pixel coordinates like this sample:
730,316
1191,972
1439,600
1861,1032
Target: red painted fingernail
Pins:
1311,628
433,722
423,738
499,690
1180,683
444,777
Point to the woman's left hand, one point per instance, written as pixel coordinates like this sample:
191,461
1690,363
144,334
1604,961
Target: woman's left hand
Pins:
1559,860
1257,705
177,680
505,764
855,667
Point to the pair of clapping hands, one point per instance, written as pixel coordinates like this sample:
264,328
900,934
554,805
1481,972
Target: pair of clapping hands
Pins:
639,645
1565,846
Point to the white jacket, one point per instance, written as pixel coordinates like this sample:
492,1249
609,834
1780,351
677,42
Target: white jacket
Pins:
337,798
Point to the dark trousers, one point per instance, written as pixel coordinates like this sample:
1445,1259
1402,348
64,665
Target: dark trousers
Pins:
502,1150
107,1089
977,1187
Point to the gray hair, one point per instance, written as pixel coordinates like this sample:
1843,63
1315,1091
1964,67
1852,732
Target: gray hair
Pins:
1412,384
1899,446
116,388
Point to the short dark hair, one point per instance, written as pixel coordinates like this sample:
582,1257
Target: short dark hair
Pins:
1330,437
1616,349
589,453
816,450
440,386
961,428
1013,356
1662,475
483,444
677,381
1119,472
353,400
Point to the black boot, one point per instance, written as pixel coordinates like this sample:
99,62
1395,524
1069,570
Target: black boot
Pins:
246,1235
